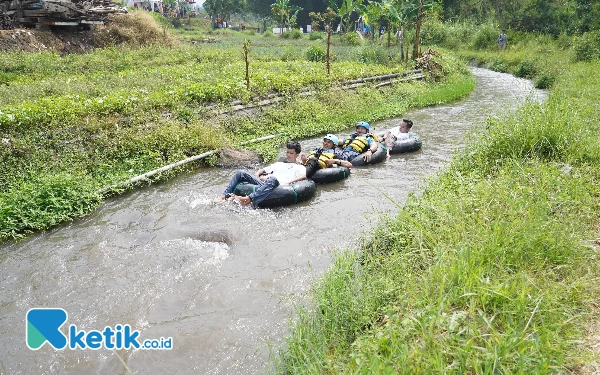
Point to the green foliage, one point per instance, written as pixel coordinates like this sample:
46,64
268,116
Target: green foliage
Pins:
544,81
487,270
314,35
499,65
526,69
296,34
374,54
352,39
587,47
486,37
315,53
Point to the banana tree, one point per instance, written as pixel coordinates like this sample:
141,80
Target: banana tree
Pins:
345,10
282,9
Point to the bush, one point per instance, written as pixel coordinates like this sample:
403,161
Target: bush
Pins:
587,47
352,39
373,55
296,34
290,53
314,35
544,81
286,34
485,38
526,69
315,53
268,34
499,66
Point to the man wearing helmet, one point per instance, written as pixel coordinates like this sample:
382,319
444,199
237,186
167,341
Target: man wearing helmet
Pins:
359,142
323,157
268,178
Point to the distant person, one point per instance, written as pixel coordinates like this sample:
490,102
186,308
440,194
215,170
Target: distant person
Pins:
502,40
268,178
381,31
397,133
324,157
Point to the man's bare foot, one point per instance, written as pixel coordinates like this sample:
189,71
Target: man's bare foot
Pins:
244,201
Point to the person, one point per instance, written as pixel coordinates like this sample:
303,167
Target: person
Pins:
502,40
381,31
397,133
323,157
358,142
268,178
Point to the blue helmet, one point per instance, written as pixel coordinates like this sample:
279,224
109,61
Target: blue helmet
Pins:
364,125
332,138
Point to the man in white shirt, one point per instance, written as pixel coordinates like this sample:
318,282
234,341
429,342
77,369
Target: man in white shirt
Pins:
397,133
268,178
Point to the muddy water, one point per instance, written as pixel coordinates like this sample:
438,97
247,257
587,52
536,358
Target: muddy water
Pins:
219,279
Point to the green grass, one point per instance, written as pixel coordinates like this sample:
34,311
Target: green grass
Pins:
491,269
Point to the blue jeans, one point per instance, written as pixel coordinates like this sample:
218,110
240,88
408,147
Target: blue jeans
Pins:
261,193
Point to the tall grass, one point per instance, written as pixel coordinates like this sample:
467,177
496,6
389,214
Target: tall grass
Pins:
489,270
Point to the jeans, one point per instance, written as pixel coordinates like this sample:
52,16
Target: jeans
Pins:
261,193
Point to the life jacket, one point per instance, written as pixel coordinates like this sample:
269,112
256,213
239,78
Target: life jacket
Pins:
321,156
359,143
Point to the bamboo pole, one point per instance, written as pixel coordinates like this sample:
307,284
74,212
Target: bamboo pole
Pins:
146,175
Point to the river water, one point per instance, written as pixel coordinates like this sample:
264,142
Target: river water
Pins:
221,280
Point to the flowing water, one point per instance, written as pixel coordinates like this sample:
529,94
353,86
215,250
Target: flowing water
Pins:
221,280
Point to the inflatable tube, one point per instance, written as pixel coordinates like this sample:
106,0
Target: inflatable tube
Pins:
327,175
282,195
413,143
379,156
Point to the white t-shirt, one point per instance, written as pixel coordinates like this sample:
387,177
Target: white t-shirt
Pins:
286,172
396,133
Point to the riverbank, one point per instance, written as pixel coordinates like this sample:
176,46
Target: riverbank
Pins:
75,127
493,267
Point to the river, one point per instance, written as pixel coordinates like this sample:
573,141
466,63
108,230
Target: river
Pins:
221,280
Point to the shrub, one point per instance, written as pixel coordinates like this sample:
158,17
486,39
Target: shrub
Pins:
314,35
526,69
587,47
544,81
373,55
499,66
296,34
315,53
485,38
268,34
352,39
286,34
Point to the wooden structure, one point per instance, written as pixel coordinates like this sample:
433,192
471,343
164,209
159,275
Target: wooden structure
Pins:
16,13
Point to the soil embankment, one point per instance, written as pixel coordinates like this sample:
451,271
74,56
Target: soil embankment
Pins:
133,29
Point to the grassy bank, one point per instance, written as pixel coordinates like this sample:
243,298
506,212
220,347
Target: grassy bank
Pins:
491,270
75,125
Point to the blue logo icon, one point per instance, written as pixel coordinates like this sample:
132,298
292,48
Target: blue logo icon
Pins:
43,325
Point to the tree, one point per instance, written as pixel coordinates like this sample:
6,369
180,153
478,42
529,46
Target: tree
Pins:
223,8
283,9
327,18
345,10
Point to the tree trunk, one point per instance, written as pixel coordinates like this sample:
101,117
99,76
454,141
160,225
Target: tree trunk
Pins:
418,31
389,31
328,27
402,45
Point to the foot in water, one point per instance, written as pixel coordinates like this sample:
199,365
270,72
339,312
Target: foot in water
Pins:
244,201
